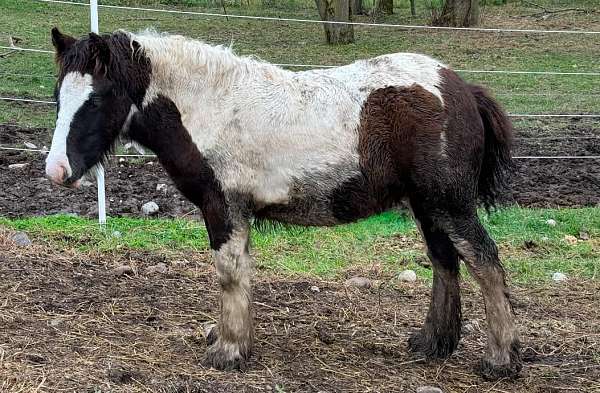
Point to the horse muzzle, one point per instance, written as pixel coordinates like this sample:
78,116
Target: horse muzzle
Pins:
59,172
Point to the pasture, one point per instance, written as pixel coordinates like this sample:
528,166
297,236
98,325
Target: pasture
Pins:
122,308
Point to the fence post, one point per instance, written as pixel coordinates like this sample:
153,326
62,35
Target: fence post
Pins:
100,169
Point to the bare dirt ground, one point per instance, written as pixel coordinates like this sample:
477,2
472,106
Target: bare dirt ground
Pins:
70,324
131,183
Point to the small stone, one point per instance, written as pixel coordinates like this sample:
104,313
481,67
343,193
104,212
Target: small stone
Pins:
161,187
558,277
407,276
21,239
471,326
30,145
570,239
315,288
429,389
358,282
55,322
122,271
150,208
17,166
583,235
122,159
117,234
551,222
158,268
85,183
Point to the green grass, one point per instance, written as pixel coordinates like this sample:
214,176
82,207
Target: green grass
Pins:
284,42
389,240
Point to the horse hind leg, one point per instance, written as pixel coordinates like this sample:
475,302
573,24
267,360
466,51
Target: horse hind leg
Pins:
440,334
480,254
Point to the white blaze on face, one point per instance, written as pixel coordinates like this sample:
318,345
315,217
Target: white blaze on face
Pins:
75,90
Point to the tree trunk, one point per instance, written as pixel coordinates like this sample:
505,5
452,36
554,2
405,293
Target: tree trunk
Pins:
339,11
458,13
413,10
356,6
385,6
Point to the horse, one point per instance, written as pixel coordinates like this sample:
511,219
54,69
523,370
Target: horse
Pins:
246,140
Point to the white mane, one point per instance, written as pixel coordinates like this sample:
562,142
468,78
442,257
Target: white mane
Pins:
192,64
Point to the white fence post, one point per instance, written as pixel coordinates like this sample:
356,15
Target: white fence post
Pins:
100,170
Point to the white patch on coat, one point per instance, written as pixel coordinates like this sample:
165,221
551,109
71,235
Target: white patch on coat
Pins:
74,91
262,127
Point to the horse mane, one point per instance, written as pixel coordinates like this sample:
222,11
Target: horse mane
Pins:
216,63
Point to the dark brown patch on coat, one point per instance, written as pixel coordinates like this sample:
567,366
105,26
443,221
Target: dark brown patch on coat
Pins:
400,128
158,126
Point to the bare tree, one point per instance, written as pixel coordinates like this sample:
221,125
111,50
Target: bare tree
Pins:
385,7
356,6
457,13
338,11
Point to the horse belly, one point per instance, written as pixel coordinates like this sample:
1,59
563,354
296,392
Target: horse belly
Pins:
312,203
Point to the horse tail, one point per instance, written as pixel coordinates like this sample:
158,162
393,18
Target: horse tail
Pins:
497,163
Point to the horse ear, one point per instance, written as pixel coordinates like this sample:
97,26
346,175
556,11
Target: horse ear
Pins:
100,51
61,41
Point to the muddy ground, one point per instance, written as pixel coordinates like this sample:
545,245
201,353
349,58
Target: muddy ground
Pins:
132,182
70,324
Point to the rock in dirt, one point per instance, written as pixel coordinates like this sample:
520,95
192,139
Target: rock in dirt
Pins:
471,326
122,271
551,223
21,239
150,208
30,145
55,322
35,358
429,389
17,166
158,268
358,282
584,235
121,375
407,276
558,277
315,288
161,187
570,239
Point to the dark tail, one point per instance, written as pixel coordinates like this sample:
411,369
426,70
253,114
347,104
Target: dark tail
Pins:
497,162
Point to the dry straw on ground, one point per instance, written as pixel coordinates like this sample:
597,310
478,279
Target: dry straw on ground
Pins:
69,324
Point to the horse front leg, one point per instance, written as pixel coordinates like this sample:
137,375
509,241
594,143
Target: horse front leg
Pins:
230,341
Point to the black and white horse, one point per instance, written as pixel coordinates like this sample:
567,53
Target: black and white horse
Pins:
245,139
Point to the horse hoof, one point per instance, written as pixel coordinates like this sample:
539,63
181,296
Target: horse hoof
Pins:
493,372
225,357
432,346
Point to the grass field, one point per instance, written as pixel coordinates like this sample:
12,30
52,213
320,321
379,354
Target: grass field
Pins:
531,249
287,42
